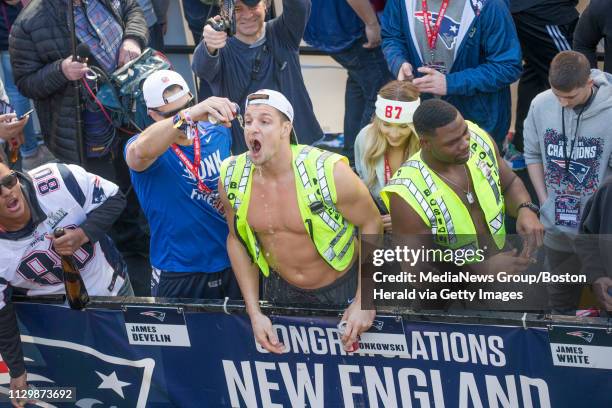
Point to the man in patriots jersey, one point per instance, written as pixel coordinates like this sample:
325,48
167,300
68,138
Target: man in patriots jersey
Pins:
174,165
32,206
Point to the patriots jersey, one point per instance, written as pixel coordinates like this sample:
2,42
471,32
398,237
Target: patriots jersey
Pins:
65,194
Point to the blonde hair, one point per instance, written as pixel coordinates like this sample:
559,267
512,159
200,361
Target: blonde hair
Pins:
376,143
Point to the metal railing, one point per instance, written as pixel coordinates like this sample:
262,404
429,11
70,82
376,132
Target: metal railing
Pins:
492,318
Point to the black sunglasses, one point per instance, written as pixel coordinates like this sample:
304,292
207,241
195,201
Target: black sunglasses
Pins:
9,181
171,113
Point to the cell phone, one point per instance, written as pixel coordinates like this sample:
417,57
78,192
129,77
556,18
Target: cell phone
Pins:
25,114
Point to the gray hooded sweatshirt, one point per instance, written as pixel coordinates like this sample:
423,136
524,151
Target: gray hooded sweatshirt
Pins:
570,183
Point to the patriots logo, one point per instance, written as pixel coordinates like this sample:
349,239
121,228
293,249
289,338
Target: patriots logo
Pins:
578,170
98,193
448,29
586,336
477,6
155,314
103,380
378,324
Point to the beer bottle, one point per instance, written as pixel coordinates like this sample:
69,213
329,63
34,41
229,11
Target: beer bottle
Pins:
76,293
14,152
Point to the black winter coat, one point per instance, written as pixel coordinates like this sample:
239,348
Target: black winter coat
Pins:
8,14
39,42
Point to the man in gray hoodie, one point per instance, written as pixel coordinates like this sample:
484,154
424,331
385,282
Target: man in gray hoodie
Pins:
568,152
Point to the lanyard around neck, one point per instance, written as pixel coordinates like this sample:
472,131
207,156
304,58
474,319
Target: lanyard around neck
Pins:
193,167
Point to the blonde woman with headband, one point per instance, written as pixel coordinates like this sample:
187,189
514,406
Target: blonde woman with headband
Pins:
383,145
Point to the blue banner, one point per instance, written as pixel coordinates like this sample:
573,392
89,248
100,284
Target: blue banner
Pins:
156,357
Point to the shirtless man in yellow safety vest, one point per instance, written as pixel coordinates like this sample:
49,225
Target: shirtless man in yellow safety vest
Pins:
293,212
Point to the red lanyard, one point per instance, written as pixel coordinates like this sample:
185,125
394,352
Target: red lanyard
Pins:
432,33
387,170
193,167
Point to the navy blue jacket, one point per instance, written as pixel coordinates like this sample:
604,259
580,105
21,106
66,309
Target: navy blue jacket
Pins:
487,61
8,15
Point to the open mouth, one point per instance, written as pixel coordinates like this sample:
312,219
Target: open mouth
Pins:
255,146
12,204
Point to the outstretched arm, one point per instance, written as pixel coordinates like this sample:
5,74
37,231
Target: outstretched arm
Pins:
247,275
155,140
356,205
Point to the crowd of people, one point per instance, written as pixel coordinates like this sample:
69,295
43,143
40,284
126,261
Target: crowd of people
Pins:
224,194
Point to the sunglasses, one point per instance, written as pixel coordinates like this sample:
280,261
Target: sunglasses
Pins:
171,113
9,181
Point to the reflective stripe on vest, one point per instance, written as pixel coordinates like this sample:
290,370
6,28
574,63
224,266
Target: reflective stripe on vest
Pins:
303,176
330,254
440,207
332,235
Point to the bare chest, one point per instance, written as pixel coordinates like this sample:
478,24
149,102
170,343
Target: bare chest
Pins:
274,208
469,198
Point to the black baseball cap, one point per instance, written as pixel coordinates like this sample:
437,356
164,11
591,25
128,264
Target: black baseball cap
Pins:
251,3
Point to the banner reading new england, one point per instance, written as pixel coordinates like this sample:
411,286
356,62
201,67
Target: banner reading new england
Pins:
206,359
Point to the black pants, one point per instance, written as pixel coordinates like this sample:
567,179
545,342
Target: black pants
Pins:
563,298
156,37
339,293
196,14
129,232
195,285
539,45
367,73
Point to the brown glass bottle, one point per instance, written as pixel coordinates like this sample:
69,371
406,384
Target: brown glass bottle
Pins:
76,292
14,153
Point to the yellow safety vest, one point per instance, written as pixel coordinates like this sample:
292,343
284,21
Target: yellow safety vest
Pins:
313,168
438,204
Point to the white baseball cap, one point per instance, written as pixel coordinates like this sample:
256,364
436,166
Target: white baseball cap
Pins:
276,100
156,84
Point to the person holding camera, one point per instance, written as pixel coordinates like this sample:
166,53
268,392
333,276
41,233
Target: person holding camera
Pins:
40,47
466,52
175,165
260,55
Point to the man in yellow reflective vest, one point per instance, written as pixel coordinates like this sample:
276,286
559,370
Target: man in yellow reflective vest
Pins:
293,213
458,189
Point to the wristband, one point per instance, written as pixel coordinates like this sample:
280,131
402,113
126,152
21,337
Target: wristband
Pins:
531,206
191,126
187,116
178,122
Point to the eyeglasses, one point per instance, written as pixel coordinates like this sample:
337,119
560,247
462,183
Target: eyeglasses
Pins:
9,181
171,113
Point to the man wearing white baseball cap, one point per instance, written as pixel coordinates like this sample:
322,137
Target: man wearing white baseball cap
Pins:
174,165
295,220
